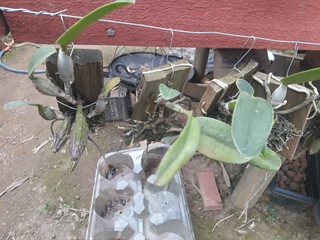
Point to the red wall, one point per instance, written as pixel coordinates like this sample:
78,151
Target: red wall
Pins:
293,20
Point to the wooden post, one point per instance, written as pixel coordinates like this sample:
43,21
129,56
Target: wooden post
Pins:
200,63
254,180
213,92
149,87
297,118
88,73
3,25
311,60
251,186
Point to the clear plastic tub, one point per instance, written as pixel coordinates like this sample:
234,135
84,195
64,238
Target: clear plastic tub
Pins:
127,205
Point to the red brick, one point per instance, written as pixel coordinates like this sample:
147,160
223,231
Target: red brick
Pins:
210,194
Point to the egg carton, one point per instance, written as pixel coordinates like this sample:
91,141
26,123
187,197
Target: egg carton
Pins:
126,204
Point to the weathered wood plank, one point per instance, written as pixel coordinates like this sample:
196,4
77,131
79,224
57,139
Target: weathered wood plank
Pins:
251,186
297,118
149,87
200,63
213,92
88,73
311,60
4,28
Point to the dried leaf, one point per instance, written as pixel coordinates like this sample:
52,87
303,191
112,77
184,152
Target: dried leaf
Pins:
225,175
14,185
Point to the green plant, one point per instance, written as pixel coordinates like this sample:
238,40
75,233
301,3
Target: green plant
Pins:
72,205
242,142
79,130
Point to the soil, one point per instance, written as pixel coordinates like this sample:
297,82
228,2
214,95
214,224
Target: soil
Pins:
54,204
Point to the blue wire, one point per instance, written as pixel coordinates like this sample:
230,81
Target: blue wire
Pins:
13,69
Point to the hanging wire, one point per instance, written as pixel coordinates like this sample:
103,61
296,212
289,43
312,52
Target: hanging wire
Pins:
244,55
65,29
6,9
171,41
167,57
296,48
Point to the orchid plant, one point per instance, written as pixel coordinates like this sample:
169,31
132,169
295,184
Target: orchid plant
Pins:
76,127
242,142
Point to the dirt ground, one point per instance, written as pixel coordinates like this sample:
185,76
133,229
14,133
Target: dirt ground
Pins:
54,204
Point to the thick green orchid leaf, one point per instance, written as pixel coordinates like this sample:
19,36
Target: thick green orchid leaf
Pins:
252,121
244,86
169,139
87,20
38,57
109,85
180,152
268,160
168,93
15,104
302,77
216,141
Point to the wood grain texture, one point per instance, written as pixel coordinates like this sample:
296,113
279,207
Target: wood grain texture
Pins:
277,19
88,73
297,118
149,88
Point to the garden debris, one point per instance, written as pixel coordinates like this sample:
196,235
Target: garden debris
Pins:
249,229
11,234
14,185
225,175
36,149
214,227
26,139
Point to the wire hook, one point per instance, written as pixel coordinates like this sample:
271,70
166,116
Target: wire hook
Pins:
246,53
296,48
171,41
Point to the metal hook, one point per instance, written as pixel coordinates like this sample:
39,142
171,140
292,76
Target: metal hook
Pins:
171,41
296,47
65,29
59,12
167,57
202,109
63,23
246,53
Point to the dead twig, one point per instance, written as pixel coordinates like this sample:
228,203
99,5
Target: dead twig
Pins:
221,221
80,210
11,234
194,185
26,139
252,225
225,175
192,180
300,154
14,185
35,150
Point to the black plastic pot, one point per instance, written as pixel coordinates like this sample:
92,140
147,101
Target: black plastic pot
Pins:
298,202
128,67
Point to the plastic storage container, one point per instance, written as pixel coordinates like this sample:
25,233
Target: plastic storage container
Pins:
127,205
297,202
